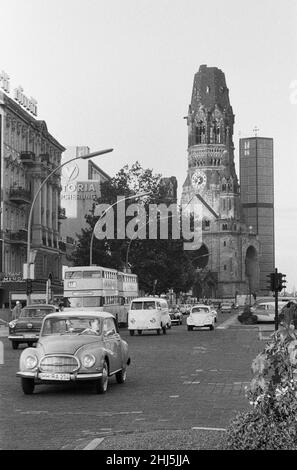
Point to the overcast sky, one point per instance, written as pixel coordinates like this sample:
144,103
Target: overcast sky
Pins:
119,74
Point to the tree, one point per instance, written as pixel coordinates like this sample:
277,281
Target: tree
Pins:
160,264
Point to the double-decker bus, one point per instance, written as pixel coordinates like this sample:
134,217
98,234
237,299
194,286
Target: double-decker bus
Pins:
103,288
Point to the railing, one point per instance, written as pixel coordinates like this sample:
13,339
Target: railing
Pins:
17,236
27,157
20,194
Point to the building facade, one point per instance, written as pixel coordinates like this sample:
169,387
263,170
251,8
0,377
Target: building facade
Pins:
28,153
257,198
81,182
227,258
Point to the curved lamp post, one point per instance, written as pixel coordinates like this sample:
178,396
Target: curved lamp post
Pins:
134,196
83,157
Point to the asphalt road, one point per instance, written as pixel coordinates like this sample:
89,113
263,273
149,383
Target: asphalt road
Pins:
181,391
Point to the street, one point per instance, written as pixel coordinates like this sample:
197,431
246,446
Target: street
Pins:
177,384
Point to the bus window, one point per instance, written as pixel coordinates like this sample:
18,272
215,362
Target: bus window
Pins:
73,274
92,274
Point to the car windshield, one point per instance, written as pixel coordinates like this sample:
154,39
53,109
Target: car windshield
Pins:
200,310
71,325
147,305
35,312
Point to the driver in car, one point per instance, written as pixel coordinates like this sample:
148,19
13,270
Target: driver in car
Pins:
94,327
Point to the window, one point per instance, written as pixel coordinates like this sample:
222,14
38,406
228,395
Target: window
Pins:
91,274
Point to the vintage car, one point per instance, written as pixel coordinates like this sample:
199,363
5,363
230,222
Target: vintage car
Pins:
176,316
26,328
75,346
226,306
200,316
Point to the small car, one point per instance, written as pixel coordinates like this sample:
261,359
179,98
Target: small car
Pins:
26,328
176,316
265,311
200,316
76,346
226,307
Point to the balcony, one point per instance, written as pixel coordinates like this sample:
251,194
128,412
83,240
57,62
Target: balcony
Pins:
17,237
27,157
62,213
19,195
62,246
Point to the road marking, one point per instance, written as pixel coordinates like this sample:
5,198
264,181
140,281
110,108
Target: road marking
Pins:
188,382
94,444
202,428
173,396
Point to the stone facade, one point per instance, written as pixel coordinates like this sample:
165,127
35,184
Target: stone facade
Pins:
28,154
227,260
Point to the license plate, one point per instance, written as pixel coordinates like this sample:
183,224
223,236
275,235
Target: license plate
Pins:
50,376
29,335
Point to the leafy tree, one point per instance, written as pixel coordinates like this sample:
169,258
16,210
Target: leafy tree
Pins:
160,264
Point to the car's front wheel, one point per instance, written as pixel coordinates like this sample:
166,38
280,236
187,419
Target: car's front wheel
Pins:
139,332
121,376
164,330
190,328
211,327
131,332
102,383
28,386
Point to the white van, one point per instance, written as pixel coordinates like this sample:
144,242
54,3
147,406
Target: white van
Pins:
148,313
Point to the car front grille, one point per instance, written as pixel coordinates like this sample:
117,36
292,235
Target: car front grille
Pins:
59,363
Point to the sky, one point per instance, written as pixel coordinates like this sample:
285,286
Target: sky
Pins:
120,74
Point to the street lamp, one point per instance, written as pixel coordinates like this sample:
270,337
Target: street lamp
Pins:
133,196
83,157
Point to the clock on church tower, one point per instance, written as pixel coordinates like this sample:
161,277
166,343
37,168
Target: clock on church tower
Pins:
198,180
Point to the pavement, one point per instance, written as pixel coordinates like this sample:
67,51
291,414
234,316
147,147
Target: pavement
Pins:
158,412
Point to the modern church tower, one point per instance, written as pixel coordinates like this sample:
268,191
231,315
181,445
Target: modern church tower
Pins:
227,259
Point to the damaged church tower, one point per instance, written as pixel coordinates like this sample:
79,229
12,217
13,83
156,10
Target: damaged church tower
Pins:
227,260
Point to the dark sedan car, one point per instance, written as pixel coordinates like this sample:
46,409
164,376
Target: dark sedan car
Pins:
26,328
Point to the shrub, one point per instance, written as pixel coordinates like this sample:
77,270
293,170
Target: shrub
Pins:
272,393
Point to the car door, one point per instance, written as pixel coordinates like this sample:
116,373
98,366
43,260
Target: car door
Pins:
112,343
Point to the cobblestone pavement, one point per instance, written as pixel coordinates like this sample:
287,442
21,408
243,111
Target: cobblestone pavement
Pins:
181,382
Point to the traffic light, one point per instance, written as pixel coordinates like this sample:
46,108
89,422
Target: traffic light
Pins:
281,282
28,286
271,282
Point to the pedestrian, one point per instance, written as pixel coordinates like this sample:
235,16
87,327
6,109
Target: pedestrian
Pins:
16,310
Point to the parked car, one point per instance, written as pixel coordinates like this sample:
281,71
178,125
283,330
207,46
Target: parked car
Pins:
176,316
200,316
265,311
75,346
26,328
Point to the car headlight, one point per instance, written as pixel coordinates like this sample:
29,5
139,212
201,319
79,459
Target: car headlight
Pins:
31,362
12,324
88,360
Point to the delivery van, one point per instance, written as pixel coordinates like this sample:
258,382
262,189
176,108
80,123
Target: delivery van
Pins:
148,313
